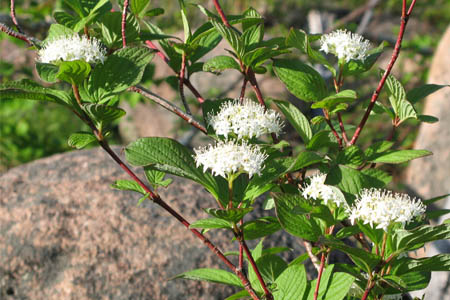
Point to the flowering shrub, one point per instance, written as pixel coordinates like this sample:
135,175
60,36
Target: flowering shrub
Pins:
99,54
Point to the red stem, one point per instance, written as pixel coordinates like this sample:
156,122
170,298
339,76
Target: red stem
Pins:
221,13
181,84
398,44
13,16
322,264
124,23
244,86
159,53
169,106
369,287
186,81
341,126
16,34
157,199
242,242
327,119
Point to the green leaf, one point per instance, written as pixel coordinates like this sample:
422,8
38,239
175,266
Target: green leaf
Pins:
325,280
211,223
332,101
301,80
56,30
102,114
231,36
435,214
65,19
30,90
365,260
435,199
355,67
427,119
440,262
296,224
291,284
417,94
296,119
220,63
211,275
398,156
270,266
111,26
351,156
233,215
167,155
347,231
299,39
138,6
261,227
73,72
81,139
376,178
305,159
239,295
377,148
347,179
128,185
47,72
156,178
402,108
154,12
404,239
322,139
122,69
414,281
336,289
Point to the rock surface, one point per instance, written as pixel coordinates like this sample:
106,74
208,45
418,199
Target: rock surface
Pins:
429,176
65,234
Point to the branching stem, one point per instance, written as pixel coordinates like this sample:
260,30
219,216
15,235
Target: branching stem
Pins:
124,23
181,84
376,93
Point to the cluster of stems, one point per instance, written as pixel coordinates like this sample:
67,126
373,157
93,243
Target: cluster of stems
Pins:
248,77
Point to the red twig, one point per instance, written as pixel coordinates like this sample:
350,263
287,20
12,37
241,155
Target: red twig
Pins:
186,81
242,242
327,119
341,126
319,277
369,287
252,79
181,84
244,86
398,44
157,199
13,17
159,53
17,35
124,23
169,106
221,13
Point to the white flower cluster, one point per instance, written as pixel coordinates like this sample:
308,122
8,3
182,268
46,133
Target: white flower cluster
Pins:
69,48
247,119
382,207
317,189
345,45
229,157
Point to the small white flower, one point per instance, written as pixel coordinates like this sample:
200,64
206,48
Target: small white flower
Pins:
382,207
247,119
229,157
317,189
69,48
345,45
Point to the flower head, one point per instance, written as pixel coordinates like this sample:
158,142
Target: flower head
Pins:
345,45
247,119
72,47
317,189
382,207
229,157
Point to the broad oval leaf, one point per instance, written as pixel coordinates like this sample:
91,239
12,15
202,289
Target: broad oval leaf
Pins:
73,72
81,139
220,63
47,72
261,227
296,118
398,156
291,284
211,223
211,275
233,215
300,79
